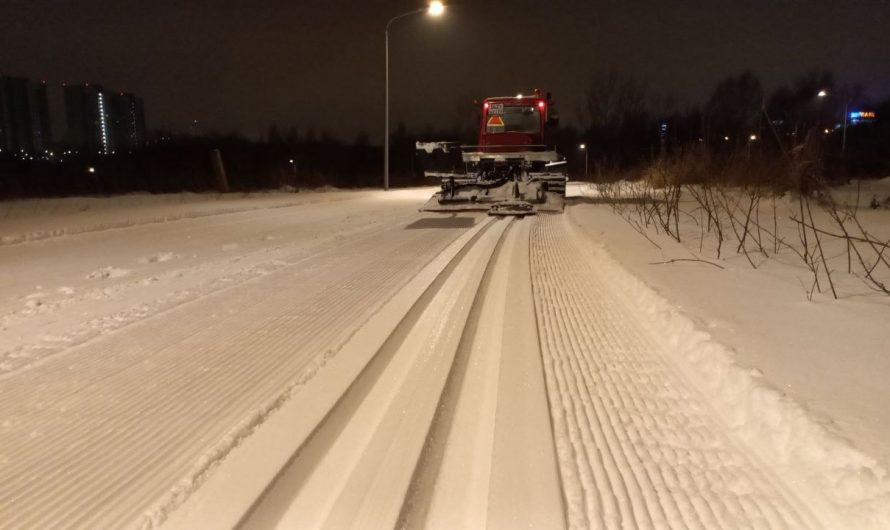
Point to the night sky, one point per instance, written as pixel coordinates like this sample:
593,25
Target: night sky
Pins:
242,65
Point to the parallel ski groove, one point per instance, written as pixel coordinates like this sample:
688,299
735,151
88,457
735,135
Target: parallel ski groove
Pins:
354,471
373,272
636,448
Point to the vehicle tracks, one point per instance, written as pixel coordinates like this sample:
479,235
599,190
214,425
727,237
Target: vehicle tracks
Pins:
637,446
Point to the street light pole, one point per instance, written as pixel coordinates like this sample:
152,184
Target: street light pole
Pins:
825,94
583,147
293,165
844,141
435,9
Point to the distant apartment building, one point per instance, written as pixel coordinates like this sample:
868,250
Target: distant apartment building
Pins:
24,116
89,119
103,122
127,121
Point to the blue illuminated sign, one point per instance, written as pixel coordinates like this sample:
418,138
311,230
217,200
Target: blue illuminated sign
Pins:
863,115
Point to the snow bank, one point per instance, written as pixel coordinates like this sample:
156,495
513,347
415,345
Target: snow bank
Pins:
782,433
864,193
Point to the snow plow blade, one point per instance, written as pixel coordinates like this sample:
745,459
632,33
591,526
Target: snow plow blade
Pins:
501,183
517,208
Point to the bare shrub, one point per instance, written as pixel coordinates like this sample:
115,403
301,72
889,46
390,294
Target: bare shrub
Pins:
728,195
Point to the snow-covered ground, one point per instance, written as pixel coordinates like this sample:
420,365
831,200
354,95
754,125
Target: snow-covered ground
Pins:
340,359
831,356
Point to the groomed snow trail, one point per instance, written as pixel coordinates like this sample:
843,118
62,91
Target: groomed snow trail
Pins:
638,447
403,370
95,435
490,460
427,436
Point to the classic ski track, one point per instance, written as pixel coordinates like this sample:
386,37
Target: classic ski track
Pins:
356,468
637,446
122,436
489,459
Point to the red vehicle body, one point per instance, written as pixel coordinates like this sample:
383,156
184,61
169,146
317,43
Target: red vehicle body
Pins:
511,124
510,172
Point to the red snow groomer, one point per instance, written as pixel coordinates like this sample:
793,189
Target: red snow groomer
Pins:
511,171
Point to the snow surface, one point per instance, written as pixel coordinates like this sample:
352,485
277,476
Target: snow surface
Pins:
164,359
828,355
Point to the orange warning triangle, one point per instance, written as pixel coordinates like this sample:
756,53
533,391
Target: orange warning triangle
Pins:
495,121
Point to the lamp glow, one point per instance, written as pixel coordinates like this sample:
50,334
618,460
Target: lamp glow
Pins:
436,8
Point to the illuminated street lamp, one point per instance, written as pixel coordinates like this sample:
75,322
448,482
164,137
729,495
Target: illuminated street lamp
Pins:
751,140
434,9
293,165
825,94
583,147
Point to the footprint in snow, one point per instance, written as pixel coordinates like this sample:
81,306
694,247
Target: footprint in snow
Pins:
106,273
160,257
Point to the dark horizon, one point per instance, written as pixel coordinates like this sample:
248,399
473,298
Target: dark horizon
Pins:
320,64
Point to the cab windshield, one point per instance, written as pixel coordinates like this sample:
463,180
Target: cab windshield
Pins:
516,118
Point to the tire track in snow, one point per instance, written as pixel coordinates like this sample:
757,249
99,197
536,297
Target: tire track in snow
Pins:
144,405
637,445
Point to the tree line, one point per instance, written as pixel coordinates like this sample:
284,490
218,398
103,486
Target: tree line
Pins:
623,122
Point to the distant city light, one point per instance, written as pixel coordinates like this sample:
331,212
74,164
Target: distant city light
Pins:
753,137
827,131
582,146
822,93
91,169
726,138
